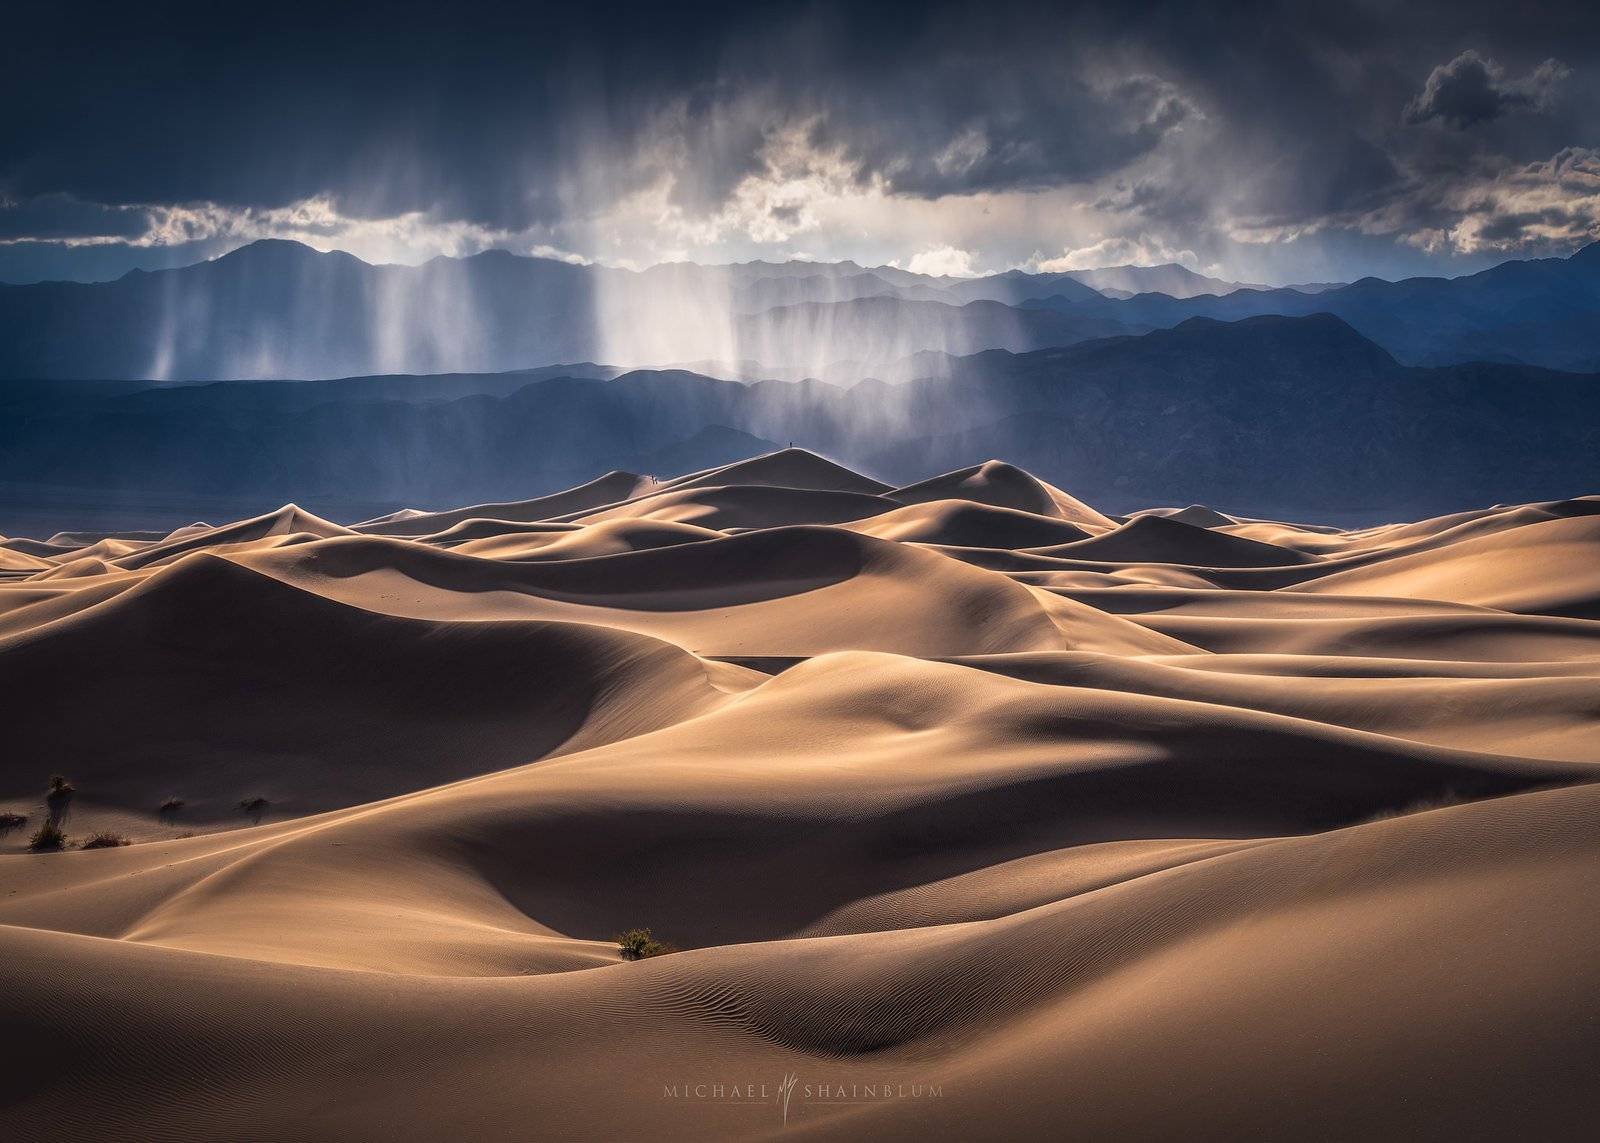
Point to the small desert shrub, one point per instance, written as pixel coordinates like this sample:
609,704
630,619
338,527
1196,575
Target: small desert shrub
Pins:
59,797
48,837
12,821
103,840
637,944
172,805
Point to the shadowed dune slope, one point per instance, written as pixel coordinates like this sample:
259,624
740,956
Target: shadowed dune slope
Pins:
330,703
1166,540
607,489
962,523
747,506
287,524
787,468
980,813
557,542
1196,514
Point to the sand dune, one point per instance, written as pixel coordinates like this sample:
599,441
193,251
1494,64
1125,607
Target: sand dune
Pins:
572,541
1494,570
607,489
790,468
963,523
745,506
289,524
1168,540
1197,514
1002,486
980,813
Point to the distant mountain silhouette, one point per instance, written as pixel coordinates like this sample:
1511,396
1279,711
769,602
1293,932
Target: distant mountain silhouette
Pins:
886,329
1015,286
1270,415
1169,278
1542,312
280,309
277,309
1278,415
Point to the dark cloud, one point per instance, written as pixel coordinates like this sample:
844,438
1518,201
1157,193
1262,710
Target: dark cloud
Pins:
1471,89
476,110
1515,226
1196,122
468,107
61,216
964,111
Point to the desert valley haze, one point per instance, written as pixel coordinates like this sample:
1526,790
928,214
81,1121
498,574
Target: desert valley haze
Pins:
708,571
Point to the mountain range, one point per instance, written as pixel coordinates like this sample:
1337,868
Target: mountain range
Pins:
1267,415
277,309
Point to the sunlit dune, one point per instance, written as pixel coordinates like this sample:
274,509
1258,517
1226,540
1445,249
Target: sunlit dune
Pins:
1041,821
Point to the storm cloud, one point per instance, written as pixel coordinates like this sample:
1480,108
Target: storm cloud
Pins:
1471,89
1271,141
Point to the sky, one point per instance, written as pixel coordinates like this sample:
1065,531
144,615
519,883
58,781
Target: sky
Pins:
1254,141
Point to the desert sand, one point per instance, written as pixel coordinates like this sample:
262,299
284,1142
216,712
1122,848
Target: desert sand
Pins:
974,812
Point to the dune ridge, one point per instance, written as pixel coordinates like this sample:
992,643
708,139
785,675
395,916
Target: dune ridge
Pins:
1036,821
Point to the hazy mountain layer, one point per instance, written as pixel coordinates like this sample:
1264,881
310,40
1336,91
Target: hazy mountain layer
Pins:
1298,416
281,310
1544,312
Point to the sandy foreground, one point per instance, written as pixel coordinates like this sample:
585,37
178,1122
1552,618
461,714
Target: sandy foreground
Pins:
976,814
